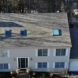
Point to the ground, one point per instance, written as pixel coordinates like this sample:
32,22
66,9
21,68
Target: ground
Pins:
31,75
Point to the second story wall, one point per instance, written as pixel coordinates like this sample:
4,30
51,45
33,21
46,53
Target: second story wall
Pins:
50,55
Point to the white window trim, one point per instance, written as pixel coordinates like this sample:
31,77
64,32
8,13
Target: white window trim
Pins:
8,53
54,52
48,52
67,52
9,66
48,65
36,65
66,66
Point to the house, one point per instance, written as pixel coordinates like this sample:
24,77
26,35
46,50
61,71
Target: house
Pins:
40,41
73,65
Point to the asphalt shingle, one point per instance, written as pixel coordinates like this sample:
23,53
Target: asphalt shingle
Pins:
39,30
74,40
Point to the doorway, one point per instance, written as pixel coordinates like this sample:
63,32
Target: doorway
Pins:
22,62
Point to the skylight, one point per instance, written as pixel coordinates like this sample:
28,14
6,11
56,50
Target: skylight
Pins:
56,32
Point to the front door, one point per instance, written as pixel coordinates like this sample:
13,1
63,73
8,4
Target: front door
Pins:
22,63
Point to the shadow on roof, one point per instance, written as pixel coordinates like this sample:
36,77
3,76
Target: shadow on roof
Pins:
9,24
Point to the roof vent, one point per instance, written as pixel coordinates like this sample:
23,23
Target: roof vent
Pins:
7,33
23,32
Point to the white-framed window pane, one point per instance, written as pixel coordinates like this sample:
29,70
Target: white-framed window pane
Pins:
45,52
59,64
60,52
4,53
63,53
1,66
6,66
42,52
57,52
62,64
39,52
44,65
56,64
39,65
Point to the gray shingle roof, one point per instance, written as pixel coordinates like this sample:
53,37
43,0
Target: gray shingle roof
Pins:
39,30
74,40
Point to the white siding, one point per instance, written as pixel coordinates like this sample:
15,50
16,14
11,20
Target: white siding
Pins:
36,65
36,52
53,64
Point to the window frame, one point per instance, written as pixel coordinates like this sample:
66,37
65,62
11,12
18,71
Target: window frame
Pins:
4,67
56,32
43,65
61,52
4,53
23,32
59,64
8,33
43,53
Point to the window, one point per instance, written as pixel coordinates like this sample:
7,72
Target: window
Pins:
59,64
60,52
56,32
7,33
4,53
42,52
4,66
23,32
42,65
